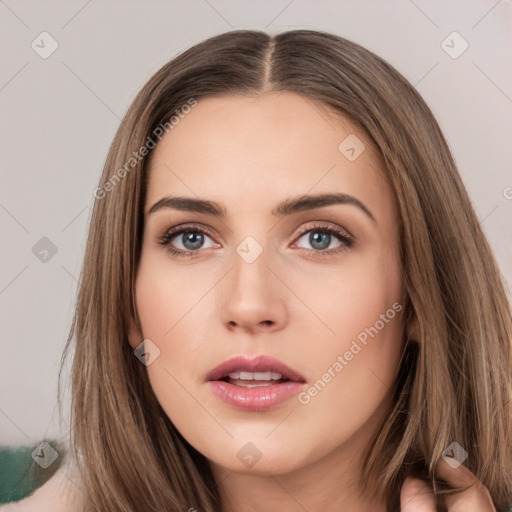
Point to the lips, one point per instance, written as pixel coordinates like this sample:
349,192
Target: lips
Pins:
260,368
254,385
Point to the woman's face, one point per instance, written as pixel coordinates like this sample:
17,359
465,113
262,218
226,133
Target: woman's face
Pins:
316,286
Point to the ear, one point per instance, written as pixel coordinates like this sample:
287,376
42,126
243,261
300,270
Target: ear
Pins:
135,336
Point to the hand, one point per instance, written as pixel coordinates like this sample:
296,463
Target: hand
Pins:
417,496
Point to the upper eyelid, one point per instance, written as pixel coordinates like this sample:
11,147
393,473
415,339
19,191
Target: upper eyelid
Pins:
176,230
327,225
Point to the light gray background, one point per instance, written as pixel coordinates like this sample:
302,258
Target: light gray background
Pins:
59,115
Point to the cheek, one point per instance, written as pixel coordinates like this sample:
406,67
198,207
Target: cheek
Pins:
167,299
172,315
347,298
353,363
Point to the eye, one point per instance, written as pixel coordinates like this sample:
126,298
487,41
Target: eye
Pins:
321,236
191,239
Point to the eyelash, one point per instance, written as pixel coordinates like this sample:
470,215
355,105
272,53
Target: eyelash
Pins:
345,239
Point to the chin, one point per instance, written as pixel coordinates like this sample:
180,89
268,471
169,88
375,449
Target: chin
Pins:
260,458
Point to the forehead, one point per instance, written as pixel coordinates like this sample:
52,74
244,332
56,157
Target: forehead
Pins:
254,150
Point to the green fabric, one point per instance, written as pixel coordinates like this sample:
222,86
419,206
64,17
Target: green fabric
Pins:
19,473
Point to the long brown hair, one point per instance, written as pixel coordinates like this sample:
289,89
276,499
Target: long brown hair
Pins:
454,381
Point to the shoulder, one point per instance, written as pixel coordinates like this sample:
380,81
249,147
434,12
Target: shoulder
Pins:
58,494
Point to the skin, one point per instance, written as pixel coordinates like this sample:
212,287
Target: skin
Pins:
305,309
300,306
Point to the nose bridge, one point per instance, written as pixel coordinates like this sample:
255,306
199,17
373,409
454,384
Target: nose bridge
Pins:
253,247
250,263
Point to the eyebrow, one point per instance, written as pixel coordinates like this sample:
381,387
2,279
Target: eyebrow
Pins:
289,206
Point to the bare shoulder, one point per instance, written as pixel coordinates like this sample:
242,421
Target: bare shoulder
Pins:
58,494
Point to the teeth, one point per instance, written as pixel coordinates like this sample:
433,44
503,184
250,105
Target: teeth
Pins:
255,375
245,384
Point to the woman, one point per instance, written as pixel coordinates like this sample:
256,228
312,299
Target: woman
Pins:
286,298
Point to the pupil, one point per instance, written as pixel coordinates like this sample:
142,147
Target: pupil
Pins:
317,237
196,240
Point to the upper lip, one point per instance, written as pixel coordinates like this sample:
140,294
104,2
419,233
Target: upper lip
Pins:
259,363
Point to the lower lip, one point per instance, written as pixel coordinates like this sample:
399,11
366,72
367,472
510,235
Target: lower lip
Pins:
257,399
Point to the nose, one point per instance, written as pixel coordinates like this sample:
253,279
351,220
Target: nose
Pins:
254,299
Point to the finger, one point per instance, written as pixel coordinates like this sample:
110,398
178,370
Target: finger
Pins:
475,498
416,496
